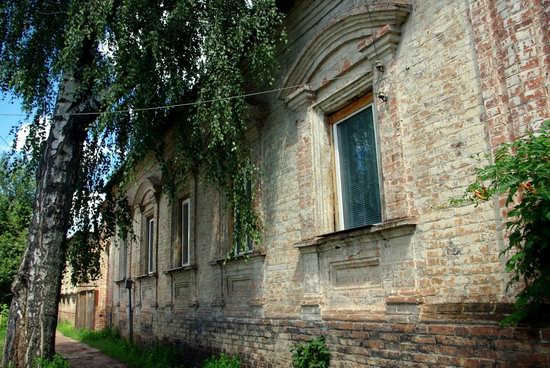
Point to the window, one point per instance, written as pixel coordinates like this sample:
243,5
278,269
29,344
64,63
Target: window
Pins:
185,232
146,201
181,233
150,231
246,246
123,251
357,175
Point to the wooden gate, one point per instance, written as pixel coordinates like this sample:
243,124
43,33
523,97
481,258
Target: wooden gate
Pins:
85,309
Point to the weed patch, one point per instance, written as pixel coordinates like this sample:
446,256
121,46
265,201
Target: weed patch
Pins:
313,354
223,361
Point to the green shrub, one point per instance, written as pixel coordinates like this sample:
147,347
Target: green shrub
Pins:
313,354
57,361
4,314
521,173
223,361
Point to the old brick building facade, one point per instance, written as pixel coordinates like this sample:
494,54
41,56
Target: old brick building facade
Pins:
356,243
84,305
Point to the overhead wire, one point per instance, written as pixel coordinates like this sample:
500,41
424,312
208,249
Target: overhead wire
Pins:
188,104
6,142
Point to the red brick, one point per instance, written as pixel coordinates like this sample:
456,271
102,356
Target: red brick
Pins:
526,334
422,339
511,345
403,327
441,330
531,360
483,331
389,337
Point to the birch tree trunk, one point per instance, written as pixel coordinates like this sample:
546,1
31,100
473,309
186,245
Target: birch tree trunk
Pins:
36,288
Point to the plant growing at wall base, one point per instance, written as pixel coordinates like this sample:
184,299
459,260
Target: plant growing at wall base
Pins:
521,173
313,354
57,361
223,361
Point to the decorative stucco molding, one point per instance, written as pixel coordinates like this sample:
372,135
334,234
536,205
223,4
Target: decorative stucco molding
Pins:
350,43
149,184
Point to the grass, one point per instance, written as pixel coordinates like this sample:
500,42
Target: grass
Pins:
113,345
3,321
2,339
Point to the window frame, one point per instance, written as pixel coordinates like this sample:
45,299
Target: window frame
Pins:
123,259
249,247
182,203
150,244
334,120
234,246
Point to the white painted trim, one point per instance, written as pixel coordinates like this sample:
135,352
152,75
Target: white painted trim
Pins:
150,244
183,203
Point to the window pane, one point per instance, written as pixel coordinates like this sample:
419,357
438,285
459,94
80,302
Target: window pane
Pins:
185,233
122,259
150,233
360,193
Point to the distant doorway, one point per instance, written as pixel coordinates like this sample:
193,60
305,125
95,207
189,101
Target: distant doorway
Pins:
86,302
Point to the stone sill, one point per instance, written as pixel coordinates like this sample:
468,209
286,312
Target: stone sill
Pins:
152,274
256,253
256,302
181,268
386,230
120,281
399,299
217,303
179,306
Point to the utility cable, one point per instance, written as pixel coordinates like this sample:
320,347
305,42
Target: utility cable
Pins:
187,104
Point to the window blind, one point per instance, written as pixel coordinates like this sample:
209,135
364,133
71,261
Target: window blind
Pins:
359,182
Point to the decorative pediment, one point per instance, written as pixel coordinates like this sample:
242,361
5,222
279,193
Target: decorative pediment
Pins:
345,51
150,186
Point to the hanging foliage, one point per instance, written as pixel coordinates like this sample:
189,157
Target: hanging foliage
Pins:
133,55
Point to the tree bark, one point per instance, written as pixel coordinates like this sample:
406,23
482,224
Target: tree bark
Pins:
33,311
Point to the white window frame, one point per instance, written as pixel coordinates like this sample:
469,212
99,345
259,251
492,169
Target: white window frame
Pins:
123,259
150,234
341,224
182,238
249,249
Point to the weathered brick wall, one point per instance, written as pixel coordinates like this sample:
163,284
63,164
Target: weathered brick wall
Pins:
67,308
424,288
438,109
267,342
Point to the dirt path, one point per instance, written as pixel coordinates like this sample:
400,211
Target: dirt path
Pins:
80,355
